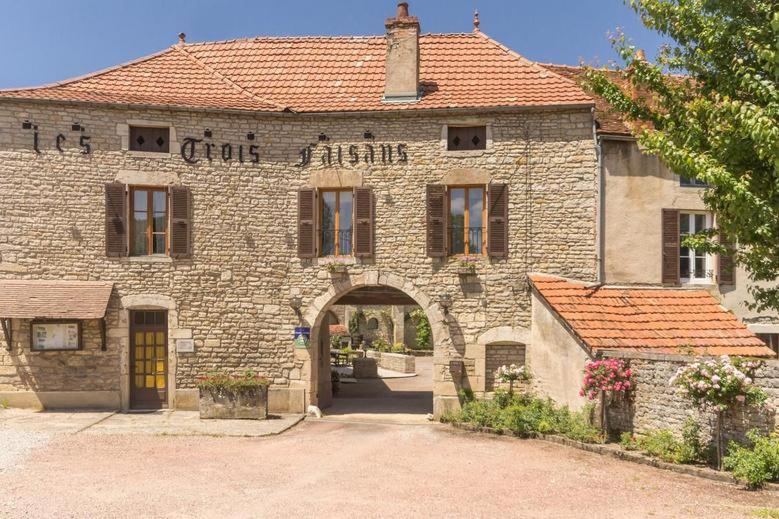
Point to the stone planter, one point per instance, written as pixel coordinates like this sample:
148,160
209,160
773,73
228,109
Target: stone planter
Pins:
338,270
466,271
245,404
364,368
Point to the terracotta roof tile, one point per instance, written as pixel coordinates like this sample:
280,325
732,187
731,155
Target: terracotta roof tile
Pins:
30,299
662,320
319,74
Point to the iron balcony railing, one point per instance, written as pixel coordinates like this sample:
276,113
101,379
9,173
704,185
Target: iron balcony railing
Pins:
329,242
457,239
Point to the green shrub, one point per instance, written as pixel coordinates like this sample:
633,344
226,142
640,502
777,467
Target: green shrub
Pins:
465,395
398,347
627,441
665,445
755,464
380,344
525,415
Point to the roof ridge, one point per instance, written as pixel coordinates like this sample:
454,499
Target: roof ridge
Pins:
227,80
317,37
90,75
531,63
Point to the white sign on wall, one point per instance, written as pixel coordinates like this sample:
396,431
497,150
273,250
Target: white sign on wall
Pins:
55,336
185,345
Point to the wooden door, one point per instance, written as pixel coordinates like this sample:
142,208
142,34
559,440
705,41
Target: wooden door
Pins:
148,359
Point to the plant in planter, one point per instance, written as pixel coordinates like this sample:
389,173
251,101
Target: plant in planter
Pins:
467,265
512,373
233,396
337,266
718,385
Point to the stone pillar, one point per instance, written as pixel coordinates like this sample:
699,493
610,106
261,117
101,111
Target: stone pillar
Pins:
399,330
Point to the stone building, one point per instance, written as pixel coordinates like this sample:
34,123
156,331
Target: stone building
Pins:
230,193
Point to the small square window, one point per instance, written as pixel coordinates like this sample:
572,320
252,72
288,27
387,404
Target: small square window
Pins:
151,139
466,138
691,182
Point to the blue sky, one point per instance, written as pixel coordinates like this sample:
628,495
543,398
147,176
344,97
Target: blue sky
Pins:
47,40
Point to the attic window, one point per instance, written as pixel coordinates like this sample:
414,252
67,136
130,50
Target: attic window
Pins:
151,139
466,138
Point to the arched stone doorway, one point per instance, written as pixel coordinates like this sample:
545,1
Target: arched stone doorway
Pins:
371,284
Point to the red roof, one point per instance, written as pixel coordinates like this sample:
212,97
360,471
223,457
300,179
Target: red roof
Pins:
318,74
610,121
660,320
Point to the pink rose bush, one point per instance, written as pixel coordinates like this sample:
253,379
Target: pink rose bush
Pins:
610,375
718,384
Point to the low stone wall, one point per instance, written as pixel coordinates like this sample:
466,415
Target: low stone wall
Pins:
393,361
655,404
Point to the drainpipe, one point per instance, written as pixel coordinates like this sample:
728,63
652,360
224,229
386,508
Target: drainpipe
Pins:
599,208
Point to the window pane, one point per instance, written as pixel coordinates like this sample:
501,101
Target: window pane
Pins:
684,223
684,266
139,234
475,219
158,201
328,223
700,267
345,216
457,221
700,222
345,223
140,200
159,243
158,223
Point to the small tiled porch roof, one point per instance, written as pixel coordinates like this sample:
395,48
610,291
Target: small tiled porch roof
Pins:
32,299
660,320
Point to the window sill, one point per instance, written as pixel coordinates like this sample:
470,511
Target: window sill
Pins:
698,283
464,153
337,260
148,154
147,259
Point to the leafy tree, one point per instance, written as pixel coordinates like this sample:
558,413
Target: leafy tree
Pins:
709,108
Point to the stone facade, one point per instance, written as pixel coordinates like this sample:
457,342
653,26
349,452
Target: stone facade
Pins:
232,296
655,405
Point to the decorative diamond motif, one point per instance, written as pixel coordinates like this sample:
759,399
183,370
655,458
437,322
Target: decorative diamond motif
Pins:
475,140
456,141
140,140
160,141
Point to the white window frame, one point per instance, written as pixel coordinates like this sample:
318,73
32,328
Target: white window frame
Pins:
708,267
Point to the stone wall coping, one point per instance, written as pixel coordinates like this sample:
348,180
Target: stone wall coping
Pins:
643,355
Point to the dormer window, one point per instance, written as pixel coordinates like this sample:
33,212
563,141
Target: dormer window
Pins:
150,139
466,138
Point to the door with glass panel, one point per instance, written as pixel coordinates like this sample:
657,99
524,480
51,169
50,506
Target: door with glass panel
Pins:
148,359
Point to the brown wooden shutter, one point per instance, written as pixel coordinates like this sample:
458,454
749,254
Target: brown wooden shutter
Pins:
363,222
115,220
436,220
307,223
180,222
670,246
726,274
498,220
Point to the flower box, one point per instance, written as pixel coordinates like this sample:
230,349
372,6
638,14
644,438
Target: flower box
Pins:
233,397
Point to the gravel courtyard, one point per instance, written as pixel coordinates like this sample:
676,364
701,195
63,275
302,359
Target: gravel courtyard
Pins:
337,469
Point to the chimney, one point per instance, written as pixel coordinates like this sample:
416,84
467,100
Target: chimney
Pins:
401,83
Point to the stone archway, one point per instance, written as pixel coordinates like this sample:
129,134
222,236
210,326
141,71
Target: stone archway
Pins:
316,313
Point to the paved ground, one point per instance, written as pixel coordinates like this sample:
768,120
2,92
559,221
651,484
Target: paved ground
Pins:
332,469
170,423
387,400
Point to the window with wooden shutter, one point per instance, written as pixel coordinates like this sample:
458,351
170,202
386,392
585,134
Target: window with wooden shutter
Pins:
498,220
436,220
115,220
180,222
306,223
726,272
670,247
363,222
